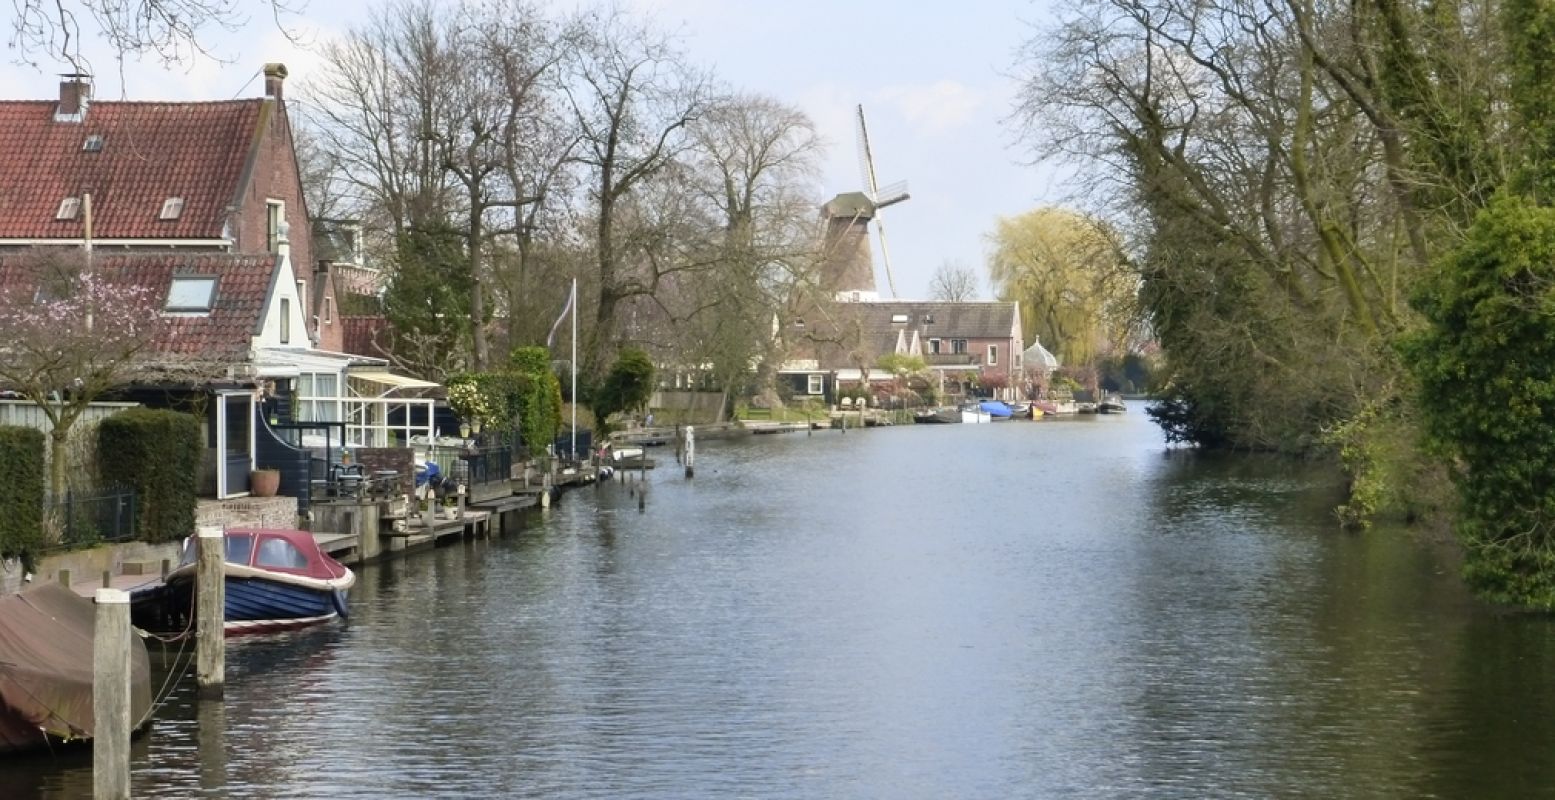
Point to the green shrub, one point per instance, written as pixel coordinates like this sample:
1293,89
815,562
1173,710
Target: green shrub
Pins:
541,401
158,453
1485,363
22,474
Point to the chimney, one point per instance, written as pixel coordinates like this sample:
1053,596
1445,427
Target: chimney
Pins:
75,92
275,75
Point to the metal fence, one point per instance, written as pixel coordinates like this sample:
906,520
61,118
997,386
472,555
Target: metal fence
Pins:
87,517
473,466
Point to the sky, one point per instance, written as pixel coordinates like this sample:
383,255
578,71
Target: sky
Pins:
933,78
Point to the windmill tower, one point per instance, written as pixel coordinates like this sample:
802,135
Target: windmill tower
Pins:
850,271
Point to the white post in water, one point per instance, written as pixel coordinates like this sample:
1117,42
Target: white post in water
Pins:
111,696
211,612
691,451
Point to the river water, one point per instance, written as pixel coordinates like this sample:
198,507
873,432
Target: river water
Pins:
1052,609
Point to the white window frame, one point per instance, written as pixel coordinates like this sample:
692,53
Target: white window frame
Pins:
275,220
311,404
958,347
68,208
993,355
286,320
934,347
172,208
815,384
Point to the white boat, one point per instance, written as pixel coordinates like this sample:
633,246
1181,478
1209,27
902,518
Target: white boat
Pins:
973,415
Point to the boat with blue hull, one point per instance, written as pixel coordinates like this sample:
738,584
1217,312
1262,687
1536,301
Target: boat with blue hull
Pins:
275,580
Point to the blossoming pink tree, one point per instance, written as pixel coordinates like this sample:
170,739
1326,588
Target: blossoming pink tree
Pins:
66,337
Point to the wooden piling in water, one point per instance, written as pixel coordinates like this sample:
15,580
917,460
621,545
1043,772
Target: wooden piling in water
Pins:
211,612
111,696
691,451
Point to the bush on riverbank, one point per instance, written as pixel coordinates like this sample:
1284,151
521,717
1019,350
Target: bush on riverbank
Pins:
22,472
158,453
1486,368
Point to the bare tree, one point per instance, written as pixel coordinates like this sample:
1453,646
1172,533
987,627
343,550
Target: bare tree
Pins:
953,282
632,96
438,118
755,163
169,30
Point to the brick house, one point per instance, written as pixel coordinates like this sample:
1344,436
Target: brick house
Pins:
841,348
218,177
201,200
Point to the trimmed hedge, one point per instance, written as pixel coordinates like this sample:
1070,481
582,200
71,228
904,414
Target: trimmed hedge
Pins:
23,472
157,452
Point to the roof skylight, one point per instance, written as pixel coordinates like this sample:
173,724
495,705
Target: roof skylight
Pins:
191,293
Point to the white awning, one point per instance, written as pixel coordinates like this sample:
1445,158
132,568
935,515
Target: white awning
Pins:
389,382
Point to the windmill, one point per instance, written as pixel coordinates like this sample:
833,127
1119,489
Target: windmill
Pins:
849,270
878,197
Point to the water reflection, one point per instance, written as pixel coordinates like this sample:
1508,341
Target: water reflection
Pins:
1063,609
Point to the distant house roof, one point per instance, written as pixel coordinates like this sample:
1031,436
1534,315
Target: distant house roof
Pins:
359,334
879,328
243,283
145,155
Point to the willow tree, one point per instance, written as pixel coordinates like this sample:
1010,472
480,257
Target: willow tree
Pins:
1075,287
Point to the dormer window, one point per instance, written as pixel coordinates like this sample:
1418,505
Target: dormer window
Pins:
93,143
899,319
172,207
191,294
68,208
928,319
799,323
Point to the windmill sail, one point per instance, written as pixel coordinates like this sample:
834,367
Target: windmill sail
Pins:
892,194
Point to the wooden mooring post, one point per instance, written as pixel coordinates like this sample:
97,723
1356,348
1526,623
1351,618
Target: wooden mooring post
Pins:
111,696
211,613
691,451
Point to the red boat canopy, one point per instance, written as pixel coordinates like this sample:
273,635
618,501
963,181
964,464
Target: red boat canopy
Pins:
296,552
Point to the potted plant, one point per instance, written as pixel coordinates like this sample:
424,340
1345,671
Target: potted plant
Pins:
264,482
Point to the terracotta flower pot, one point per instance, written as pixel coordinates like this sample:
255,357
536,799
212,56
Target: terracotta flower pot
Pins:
264,482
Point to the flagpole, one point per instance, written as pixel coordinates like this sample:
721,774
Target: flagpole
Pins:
574,304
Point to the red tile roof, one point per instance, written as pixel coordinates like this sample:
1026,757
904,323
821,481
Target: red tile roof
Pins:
242,285
150,152
359,334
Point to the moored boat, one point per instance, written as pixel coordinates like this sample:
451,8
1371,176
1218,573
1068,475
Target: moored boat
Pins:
629,458
275,580
46,669
936,415
997,410
1111,404
972,413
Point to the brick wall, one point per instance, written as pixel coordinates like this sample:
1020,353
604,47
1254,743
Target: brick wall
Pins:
248,512
399,459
